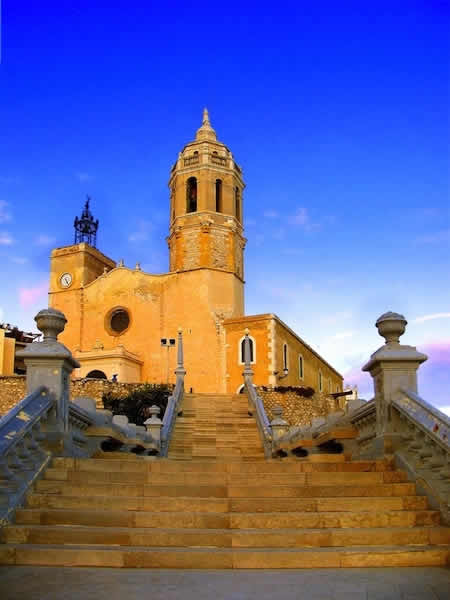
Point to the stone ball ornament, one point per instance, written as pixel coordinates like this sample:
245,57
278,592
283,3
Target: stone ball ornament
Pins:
51,322
391,326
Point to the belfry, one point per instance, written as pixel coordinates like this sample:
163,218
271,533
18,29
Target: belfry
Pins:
117,316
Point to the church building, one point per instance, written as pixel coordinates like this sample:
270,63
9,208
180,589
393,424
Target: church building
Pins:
123,321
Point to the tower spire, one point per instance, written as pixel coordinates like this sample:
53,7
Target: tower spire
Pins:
206,132
86,227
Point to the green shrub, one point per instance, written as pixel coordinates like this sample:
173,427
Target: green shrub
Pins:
135,406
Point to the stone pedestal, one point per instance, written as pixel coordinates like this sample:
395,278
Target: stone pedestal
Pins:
393,366
154,424
49,363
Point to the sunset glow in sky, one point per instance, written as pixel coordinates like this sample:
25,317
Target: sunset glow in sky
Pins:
337,113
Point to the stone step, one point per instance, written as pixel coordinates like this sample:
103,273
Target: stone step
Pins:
223,558
263,479
145,464
181,504
332,504
225,538
203,520
241,505
233,491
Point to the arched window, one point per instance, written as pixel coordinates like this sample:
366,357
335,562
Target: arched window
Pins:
237,203
285,357
191,195
300,366
241,350
218,195
96,374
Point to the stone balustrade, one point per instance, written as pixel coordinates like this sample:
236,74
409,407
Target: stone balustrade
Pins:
255,403
46,423
425,451
23,453
174,401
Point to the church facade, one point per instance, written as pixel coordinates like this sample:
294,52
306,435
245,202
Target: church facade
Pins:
124,321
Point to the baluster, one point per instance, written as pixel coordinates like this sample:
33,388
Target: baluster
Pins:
426,451
10,469
36,452
445,475
415,446
24,455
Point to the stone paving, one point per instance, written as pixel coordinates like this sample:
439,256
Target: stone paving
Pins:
65,583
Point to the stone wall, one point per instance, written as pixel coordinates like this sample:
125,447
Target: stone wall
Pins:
296,409
96,388
13,389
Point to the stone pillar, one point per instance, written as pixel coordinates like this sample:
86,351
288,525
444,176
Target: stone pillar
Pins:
49,363
154,423
393,366
180,371
278,424
248,371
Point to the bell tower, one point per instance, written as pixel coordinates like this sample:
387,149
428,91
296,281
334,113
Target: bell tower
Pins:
206,209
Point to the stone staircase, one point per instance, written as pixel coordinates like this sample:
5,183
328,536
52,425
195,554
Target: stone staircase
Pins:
215,426
224,513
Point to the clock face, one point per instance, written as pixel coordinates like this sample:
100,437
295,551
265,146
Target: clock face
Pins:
66,280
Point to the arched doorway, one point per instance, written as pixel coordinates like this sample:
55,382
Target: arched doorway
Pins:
96,374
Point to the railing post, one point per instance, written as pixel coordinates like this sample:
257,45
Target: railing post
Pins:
49,363
180,371
278,424
248,371
392,367
154,424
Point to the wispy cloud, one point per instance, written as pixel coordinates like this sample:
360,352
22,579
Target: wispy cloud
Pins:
292,251
6,239
335,318
302,219
44,240
83,176
278,233
5,214
28,296
434,238
271,214
431,317
142,232
438,352
342,335
361,379
19,260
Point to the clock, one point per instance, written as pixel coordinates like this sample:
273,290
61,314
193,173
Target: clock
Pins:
65,280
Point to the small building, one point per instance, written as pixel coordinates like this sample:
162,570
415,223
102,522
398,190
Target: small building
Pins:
12,339
124,321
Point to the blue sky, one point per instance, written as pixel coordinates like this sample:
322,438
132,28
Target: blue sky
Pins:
338,114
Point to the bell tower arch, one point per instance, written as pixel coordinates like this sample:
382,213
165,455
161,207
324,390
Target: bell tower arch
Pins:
206,190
